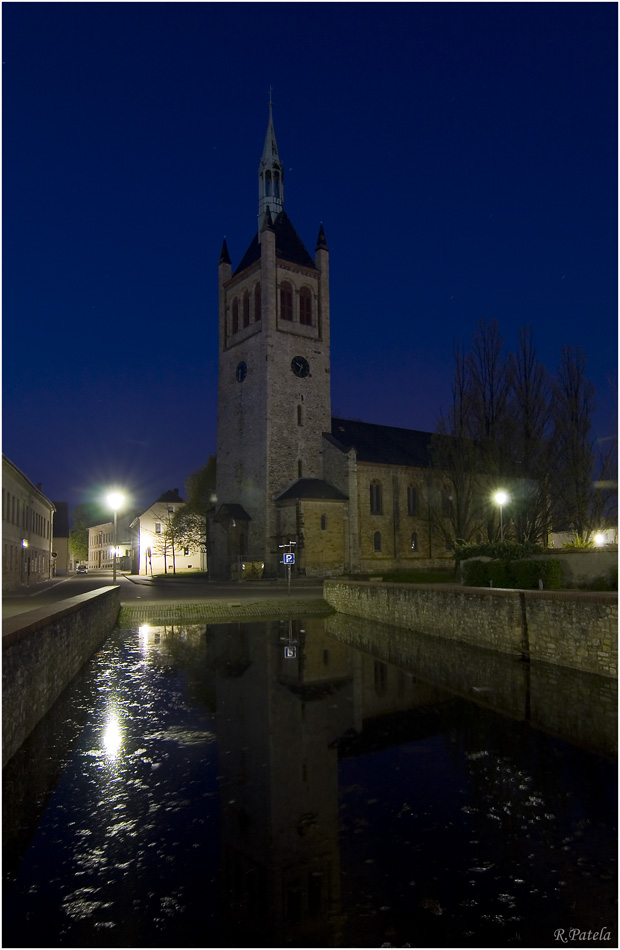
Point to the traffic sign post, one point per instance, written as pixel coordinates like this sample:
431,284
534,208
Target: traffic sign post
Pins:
288,559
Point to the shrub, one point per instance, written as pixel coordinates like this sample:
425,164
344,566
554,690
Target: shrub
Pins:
504,550
520,574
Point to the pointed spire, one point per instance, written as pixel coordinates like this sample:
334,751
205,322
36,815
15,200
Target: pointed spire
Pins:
270,175
224,256
321,243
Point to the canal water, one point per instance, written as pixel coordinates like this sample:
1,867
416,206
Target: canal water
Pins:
311,784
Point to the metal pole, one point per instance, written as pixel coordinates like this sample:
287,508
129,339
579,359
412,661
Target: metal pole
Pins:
114,560
501,522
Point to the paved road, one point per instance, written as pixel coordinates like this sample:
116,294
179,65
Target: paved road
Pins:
135,589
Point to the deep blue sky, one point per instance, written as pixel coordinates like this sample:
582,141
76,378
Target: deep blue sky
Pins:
462,158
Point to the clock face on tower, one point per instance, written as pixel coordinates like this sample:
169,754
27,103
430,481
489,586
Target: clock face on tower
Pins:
300,366
241,371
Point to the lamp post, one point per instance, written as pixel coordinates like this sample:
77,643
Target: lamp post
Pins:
500,498
115,500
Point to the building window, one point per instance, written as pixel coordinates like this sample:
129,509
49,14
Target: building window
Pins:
186,552
235,315
286,301
305,306
414,541
299,468
267,184
412,500
158,527
299,416
246,309
323,522
446,505
376,501
377,540
257,304
276,185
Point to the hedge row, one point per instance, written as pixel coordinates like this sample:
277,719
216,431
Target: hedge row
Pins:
522,575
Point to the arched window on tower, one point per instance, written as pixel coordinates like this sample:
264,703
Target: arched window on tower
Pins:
246,309
267,183
276,184
305,306
412,500
286,301
235,315
257,303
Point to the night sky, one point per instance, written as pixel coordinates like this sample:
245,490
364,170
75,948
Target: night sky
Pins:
462,159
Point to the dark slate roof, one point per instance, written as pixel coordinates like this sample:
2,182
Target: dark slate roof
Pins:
311,488
289,246
385,445
61,519
232,510
171,495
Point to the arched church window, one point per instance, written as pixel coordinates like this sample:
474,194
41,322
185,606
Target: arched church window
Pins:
276,184
299,469
268,183
305,306
412,500
300,418
246,309
235,315
286,301
376,500
257,303
377,540
414,541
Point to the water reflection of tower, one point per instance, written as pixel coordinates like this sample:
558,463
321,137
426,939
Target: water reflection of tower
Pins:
277,725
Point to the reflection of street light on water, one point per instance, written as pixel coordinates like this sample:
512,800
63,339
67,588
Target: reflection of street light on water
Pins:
501,498
114,500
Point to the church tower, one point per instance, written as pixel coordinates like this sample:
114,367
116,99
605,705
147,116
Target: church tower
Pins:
274,376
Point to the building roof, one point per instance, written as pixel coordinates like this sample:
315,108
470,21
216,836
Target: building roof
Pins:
232,510
172,495
289,246
311,488
385,445
61,519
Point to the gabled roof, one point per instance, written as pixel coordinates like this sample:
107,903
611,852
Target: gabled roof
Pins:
289,246
172,495
311,488
231,510
387,445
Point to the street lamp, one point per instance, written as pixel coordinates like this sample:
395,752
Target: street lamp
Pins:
115,500
500,498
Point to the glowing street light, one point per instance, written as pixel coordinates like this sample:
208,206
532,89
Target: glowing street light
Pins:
115,501
500,498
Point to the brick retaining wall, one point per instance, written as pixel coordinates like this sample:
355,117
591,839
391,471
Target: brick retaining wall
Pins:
42,650
573,629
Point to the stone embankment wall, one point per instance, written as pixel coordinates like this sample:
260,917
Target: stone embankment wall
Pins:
42,650
573,629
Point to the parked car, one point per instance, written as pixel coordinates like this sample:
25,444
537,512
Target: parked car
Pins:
82,569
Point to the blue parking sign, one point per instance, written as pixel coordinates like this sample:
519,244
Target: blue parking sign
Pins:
288,558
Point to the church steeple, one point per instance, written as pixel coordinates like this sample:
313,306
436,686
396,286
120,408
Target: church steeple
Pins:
270,177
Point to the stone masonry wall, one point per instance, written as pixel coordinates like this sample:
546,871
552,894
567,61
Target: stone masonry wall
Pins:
42,650
572,629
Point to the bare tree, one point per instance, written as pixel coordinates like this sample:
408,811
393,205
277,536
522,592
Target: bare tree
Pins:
529,415
572,445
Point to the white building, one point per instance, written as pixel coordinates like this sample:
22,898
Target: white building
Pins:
154,549
101,546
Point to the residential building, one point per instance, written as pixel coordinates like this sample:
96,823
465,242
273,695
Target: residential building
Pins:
27,530
101,546
154,547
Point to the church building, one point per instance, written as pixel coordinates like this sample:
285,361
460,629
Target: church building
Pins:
351,497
